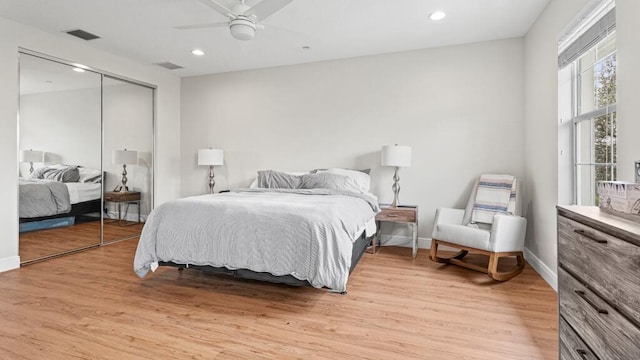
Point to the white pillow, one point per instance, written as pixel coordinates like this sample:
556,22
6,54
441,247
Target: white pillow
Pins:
361,179
89,175
254,184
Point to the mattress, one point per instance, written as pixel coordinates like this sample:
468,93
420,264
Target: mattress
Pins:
82,192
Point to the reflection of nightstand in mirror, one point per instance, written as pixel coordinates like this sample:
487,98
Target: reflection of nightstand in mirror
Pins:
406,214
120,198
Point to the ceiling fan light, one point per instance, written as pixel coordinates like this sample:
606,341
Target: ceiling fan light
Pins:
438,15
242,29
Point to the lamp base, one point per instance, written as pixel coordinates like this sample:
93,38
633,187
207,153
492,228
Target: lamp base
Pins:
124,179
212,182
395,188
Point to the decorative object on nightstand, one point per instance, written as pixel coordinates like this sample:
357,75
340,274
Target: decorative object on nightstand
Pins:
31,156
211,157
637,167
407,214
396,156
125,157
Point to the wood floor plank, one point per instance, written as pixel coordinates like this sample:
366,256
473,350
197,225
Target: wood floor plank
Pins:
43,243
91,305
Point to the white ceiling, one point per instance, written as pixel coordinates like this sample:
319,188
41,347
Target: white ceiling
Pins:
143,30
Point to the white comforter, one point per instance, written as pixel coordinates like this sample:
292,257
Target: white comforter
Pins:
305,233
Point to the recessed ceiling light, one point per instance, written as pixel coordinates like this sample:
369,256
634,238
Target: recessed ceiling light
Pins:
77,69
438,15
197,52
306,48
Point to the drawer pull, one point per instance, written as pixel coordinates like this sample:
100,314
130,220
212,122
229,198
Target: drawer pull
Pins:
582,353
593,305
590,236
392,215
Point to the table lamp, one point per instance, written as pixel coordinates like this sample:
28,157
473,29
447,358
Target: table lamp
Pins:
31,156
396,156
124,157
210,157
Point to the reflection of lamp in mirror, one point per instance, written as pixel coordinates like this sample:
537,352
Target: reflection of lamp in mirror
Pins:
31,156
124,157
210,157
396,156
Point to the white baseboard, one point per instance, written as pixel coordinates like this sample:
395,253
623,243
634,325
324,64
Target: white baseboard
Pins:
404,241
9,263
550,276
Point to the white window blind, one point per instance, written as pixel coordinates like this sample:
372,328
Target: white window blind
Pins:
595,23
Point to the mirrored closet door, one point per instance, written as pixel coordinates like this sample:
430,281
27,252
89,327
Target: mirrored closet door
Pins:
127,157
86,157
60,189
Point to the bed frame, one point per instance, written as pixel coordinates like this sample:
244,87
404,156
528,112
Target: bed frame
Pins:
79,209
359,247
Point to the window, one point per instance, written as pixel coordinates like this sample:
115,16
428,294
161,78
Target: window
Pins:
587,81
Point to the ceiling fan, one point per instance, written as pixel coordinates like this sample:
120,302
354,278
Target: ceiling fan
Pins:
243,19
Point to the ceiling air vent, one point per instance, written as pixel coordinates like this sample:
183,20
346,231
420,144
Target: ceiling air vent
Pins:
168,65
83,34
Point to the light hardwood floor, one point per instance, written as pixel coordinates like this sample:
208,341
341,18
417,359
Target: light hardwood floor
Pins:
91,305
42,243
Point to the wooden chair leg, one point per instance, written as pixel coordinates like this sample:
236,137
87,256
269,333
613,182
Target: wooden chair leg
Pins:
434,250
492,269
433,254
504,276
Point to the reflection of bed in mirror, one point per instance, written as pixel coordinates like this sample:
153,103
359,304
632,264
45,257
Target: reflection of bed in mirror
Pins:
58,195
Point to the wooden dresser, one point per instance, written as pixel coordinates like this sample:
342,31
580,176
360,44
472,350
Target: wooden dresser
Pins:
598,285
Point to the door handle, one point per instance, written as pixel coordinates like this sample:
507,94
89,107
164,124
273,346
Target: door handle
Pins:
590,236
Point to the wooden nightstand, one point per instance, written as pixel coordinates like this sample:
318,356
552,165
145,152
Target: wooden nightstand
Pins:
129,197
406,214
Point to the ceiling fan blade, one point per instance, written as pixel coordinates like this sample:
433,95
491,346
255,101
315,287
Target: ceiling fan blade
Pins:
202,26
266,8
217,6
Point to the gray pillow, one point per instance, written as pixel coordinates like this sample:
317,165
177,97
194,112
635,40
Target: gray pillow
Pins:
67,174
270,179
325,180
41,172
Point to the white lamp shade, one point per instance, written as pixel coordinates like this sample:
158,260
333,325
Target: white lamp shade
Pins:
125,157
210,157
396,155
32,156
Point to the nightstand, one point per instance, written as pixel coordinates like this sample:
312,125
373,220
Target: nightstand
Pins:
129,197
405,214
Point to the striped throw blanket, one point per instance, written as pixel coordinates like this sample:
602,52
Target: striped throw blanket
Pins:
496,195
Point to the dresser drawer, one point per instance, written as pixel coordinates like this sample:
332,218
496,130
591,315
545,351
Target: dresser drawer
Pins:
609,265
398,214
608,333
571,346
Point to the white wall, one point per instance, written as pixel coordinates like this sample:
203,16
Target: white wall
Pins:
628,80
460,108
63,124
541,128
167,128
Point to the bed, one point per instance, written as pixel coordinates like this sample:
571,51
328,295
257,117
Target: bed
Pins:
309,232
55,201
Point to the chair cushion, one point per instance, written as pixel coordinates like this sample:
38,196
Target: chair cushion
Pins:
463,235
